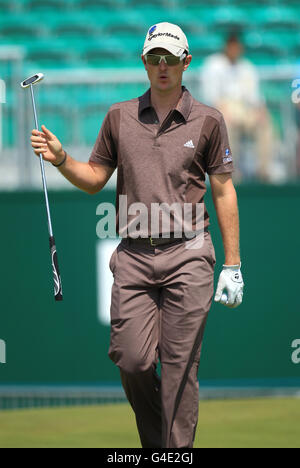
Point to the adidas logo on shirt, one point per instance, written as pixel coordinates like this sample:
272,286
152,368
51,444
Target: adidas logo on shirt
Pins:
189,144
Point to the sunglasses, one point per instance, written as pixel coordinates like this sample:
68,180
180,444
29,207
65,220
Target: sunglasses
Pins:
171,60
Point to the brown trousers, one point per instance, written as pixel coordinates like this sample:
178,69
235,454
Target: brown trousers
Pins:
161,297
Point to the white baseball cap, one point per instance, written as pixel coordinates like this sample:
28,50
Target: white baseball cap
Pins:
166,36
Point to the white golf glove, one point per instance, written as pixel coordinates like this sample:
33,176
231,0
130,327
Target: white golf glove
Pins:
230,280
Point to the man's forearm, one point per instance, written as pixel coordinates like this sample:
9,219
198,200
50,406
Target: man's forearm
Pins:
79,174
228,218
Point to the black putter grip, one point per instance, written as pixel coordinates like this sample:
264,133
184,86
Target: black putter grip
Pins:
56,276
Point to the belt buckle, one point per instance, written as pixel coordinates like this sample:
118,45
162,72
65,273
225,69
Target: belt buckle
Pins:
151,242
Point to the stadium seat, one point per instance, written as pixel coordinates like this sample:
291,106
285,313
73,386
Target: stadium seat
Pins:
106,21
33,5
219,18
103,53
151,15
7,6
262,58
190,22
73,24
267,48
49,53
51,96
158,4
132,45
100,4
134,29
228,18
125,22
18,27
109,51
276,17
270,43
202,46
254,4
183,4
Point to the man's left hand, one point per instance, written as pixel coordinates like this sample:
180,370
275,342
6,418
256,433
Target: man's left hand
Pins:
230,280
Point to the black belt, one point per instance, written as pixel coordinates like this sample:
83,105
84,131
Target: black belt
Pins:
156,241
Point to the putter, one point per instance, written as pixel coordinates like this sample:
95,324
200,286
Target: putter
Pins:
56,276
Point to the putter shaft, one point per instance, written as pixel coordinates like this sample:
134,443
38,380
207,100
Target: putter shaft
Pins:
42,167
56,275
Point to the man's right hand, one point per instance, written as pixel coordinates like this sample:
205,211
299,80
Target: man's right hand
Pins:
88,176
48,145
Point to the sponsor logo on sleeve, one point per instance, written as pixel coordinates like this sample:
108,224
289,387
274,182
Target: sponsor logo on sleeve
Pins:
228,157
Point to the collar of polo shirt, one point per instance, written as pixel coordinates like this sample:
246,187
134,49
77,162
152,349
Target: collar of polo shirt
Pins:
183,107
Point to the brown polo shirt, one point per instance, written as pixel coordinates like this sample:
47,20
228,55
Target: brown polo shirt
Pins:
163,162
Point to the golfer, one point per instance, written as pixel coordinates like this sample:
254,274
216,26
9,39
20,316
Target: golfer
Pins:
163,145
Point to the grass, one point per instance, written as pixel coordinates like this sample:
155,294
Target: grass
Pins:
253,423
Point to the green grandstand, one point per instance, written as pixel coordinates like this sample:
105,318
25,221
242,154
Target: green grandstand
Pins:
77,33
72,35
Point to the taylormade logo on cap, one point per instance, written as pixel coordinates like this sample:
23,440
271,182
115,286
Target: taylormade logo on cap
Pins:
162,34
166,36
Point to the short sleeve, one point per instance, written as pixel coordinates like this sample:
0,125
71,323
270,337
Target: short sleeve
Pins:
218,152
105,148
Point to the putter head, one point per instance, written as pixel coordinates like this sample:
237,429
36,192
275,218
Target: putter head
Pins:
32,80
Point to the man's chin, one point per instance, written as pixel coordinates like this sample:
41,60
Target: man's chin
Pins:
164,86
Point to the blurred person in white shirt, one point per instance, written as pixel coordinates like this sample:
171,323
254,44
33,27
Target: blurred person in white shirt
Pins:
230,83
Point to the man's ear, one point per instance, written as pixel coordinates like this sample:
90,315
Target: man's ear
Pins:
144,62
187,62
